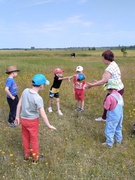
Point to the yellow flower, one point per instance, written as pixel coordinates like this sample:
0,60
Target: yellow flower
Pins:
81,169
11,155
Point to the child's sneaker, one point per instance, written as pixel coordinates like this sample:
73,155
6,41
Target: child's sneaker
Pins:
40,158
77,109
50,109
105,144
81,110
60,113
100,119
26,158
11,124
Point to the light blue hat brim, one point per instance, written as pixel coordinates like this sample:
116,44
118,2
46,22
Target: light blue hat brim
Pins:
111,87
111,84
47,82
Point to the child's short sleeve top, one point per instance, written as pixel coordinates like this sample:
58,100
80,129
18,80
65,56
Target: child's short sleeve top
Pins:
56,82
11,84
110,102
31,102
79,85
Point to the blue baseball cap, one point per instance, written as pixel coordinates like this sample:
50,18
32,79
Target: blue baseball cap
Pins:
39,79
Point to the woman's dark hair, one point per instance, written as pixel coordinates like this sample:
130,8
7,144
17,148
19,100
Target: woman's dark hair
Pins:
108,55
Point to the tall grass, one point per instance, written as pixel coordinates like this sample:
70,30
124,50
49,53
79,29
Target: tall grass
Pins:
74,151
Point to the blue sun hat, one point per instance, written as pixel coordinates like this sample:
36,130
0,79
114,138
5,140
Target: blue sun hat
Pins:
39,79
111,84
80,77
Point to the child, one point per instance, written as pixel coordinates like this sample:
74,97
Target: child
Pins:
54,90
12,93
29,107
114,106
79,83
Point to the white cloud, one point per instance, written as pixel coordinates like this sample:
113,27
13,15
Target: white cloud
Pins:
60,26
78,20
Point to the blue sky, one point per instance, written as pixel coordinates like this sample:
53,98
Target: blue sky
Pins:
66,23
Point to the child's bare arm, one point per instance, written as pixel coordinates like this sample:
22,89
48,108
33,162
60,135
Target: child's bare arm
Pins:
18,111
66,78
45,119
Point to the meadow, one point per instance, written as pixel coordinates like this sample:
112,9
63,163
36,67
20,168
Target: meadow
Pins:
74,151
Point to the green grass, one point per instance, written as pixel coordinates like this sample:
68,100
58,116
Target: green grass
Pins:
75,150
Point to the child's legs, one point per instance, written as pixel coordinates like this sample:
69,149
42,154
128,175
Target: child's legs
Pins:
50,102
118,132
13,107
34,139
56,95
31,136
51,95
58,103
109,132
77,99
81,98
25,138
78,104
82,104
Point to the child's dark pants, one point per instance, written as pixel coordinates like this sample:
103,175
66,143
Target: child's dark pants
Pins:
13,106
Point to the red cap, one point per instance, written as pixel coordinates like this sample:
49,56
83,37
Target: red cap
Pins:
58,70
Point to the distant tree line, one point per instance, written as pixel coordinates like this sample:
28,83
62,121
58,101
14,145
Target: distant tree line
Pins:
132,47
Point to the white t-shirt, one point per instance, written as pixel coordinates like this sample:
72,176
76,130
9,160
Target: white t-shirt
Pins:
114,70
31,102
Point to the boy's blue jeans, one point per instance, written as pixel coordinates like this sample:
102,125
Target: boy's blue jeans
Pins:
12,106
113,132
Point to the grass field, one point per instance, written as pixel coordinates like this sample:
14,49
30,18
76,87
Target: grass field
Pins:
74,151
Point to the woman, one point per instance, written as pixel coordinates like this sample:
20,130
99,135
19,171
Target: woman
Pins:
111,72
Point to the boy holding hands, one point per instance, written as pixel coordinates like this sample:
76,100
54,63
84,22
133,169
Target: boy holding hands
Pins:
54,90
79,83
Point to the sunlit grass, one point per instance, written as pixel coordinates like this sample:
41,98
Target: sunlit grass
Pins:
74,151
